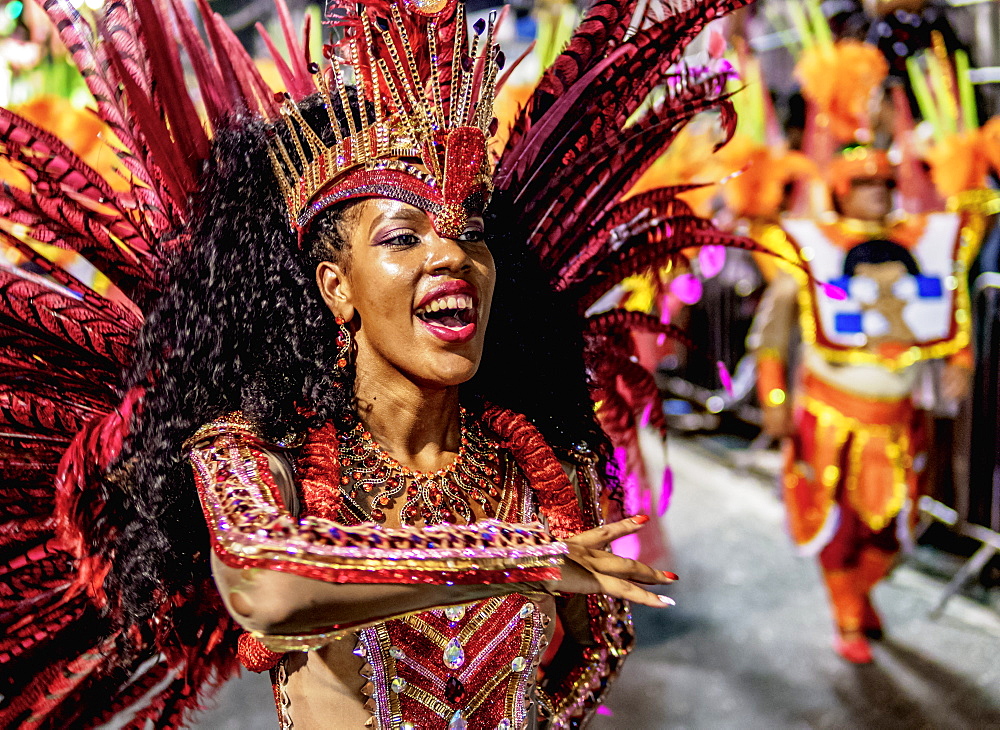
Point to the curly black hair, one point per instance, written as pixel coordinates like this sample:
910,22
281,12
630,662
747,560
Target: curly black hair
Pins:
240,325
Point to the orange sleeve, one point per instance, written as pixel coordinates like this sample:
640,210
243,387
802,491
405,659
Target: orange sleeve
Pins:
772,387
963,358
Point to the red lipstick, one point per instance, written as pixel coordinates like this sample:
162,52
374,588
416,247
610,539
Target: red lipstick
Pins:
451,329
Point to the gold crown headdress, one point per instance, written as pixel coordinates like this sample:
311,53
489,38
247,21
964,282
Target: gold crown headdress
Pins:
418,131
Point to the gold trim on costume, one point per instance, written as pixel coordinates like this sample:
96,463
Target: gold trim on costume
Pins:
250,528
981,202
897,451
970,236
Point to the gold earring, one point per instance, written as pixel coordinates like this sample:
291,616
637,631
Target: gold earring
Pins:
343,342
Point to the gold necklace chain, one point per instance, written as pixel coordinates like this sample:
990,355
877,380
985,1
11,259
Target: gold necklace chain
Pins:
369,474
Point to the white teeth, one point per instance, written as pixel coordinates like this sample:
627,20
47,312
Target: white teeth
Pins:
458,302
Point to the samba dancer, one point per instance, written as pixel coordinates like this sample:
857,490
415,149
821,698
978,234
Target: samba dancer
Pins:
315,284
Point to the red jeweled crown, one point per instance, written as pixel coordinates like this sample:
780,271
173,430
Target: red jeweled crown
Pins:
419,130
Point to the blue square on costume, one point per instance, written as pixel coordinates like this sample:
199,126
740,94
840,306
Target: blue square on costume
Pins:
929,287
847,322
842,282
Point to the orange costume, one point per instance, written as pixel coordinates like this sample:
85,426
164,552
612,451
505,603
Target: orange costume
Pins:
878,302
874,302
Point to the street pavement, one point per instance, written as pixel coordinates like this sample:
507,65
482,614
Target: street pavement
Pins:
748,644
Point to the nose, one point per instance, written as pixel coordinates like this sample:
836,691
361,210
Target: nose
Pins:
447,255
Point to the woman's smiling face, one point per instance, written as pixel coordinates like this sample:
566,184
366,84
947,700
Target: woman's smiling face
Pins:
417,302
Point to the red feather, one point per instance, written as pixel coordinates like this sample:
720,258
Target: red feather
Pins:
168,76
206,70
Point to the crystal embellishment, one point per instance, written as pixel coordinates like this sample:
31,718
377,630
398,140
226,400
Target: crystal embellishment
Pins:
504,724
454,655
458,722
396,653
398,684
454,690
526,610
518,664
455,613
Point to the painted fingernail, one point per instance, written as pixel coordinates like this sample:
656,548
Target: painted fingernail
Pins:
668,575
640,519
667,600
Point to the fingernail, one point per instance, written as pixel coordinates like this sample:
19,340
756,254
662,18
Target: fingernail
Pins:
640,519
668,575
667,600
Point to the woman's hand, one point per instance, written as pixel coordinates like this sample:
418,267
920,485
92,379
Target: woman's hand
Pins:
589,568
956,382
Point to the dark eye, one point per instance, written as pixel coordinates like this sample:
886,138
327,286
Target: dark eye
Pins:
400,241
473,235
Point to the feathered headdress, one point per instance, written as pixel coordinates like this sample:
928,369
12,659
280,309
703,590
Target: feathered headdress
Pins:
425,112
839,79
841,82
959,151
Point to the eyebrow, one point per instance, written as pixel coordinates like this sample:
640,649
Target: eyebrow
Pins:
403,213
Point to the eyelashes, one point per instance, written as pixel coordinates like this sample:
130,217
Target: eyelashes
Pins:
399,240
405,239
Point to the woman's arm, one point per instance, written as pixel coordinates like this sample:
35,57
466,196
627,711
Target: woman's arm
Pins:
285,579
286,611
268,602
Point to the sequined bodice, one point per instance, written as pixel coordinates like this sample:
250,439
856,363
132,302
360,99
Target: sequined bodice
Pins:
470,666
473,666
460,667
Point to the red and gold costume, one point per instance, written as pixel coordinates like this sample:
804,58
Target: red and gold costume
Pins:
469,665
874,300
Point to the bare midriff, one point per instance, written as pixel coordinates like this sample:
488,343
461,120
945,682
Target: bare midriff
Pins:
325,686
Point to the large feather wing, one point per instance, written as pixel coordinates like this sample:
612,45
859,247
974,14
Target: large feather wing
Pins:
64,347
581,142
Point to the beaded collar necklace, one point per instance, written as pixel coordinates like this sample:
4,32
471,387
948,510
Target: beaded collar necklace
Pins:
372,480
